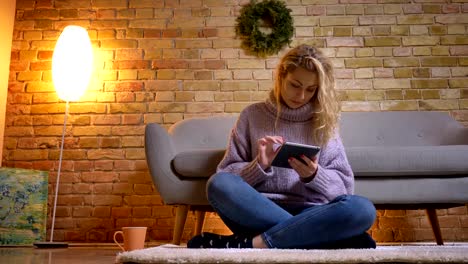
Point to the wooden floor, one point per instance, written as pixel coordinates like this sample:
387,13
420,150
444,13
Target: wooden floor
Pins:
90,253
74,254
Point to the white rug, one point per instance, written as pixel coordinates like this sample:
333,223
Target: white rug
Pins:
382,254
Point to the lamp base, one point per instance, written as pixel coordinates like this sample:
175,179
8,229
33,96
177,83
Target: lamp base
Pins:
51,244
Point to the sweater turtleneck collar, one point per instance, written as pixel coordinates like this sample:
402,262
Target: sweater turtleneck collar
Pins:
301,114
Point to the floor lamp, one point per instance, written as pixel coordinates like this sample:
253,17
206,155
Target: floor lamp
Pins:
72,64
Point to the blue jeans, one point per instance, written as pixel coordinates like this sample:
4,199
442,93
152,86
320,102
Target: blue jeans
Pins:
342,223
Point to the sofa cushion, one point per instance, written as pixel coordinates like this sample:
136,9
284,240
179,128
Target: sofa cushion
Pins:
198,163
365,161
409,160
413,190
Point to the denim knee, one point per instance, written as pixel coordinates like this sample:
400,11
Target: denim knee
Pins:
361,211
218,183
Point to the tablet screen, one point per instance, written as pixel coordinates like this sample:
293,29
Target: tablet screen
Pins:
295,150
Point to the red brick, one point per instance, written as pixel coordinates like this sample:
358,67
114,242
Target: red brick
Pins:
61,223
124,86
391,222
16,87
119,223
135,177
138,200
111,200
129,54
88,142
82,188
43,165
110,142
14,56
152,33
82,211
105,13
449,221
98,176
161,234
383,235
125,97
19,65
65,188
70,200
102,188
124,165
169,64
391,213
163,211
141,212
105,154
62,211
132,119
103,165
121,212
208,33
83,165
97,236
464,221
101,211
171,33
130,64
106,120
122,188
143,222
215,64
461,210
41,66
143,188
45,54
141,165
423,235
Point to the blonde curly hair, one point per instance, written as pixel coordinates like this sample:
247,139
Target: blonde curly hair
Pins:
325,103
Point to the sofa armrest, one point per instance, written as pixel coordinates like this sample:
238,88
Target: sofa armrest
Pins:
160,152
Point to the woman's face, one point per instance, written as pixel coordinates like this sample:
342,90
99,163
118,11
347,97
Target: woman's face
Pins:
299,87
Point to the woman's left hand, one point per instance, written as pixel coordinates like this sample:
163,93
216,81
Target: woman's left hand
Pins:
306,171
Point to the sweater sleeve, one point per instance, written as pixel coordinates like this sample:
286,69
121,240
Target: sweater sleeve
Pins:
334,175
239,158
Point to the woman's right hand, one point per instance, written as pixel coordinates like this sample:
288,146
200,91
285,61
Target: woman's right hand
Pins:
266,150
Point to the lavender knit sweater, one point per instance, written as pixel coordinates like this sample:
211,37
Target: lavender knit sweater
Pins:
334,176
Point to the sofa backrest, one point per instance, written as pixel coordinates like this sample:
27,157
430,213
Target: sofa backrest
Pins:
202,133
400,128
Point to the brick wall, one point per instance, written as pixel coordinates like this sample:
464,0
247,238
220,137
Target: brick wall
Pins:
163,61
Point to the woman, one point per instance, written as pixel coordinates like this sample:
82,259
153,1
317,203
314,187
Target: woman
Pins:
309,206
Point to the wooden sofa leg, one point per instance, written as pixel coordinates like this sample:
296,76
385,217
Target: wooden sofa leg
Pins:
181,217
432,216
200,220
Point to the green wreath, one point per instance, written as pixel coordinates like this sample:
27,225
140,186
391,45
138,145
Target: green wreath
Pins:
276,15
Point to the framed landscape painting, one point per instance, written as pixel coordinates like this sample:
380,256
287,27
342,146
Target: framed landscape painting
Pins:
23,206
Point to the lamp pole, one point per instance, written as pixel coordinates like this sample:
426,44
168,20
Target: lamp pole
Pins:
58,172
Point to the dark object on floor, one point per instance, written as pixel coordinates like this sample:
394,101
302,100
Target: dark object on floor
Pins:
51,244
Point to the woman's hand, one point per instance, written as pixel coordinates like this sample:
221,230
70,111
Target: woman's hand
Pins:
266,150
306,171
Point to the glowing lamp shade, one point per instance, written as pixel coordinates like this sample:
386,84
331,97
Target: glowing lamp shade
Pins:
72,63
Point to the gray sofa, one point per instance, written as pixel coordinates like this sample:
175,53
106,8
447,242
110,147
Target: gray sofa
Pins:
401,160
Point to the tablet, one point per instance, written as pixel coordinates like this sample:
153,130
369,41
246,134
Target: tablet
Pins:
295,150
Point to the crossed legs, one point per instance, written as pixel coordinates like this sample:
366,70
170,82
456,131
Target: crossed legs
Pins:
260,222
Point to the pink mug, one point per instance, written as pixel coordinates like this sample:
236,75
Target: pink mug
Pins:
133,238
